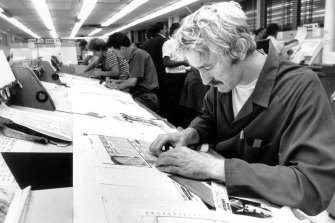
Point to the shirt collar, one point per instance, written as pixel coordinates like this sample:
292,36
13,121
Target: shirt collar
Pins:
266,79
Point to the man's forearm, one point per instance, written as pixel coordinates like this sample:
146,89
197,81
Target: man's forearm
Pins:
108,73
127,83
190,136
216,168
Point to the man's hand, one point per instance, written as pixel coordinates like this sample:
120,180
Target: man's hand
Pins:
94,74
183,138
111,84
174,139
191,164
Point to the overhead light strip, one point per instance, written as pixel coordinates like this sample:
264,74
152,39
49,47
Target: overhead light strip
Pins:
124,11
19,25
85,11
94,32
43,10
160,12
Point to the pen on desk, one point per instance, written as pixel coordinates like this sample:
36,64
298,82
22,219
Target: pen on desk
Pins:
200,148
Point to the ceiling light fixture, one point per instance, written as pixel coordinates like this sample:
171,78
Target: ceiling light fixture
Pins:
43,10
1,9
19,25
124,11
94,32
160,12
85,11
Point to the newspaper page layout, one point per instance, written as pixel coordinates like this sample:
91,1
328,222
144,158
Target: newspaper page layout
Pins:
48,125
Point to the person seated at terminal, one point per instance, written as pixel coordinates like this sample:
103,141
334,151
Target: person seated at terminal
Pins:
119,66
99,48
142,82
268,119
85,55
103,66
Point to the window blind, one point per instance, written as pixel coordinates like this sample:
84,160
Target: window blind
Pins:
249,8
280,12
312,11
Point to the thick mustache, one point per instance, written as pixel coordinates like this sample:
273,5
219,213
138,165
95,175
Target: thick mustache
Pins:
215,82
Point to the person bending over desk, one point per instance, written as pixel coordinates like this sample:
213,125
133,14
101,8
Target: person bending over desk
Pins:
106,61
143,81
268,118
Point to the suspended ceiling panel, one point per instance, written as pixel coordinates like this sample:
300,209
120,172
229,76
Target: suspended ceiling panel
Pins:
65,12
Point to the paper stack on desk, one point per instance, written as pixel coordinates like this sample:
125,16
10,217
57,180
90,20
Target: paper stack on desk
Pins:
47,125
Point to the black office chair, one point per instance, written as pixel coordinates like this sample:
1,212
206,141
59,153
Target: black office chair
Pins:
264,45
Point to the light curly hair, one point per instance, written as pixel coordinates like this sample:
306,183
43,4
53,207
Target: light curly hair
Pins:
220,28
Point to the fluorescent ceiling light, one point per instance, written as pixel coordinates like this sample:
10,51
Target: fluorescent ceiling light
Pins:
85,11
95,32
20,25
124,11
160,12
43,10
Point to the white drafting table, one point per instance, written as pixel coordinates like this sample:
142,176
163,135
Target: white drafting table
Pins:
106,193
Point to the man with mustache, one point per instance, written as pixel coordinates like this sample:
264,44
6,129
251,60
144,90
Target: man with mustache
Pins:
268,119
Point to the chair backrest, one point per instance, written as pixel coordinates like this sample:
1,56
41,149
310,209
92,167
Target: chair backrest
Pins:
263,44
32,94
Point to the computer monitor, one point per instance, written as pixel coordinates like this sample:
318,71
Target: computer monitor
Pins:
6,74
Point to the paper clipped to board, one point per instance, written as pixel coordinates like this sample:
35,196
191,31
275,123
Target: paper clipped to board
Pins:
6,74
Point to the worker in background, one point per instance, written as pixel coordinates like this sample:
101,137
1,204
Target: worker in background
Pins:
154,47
268,119
116,67
142,82
101,67
271,33
260,34
99,48
85,55
175,69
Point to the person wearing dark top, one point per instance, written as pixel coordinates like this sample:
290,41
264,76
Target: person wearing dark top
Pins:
99,49
176,71
154,47
142,82
260,34
269,120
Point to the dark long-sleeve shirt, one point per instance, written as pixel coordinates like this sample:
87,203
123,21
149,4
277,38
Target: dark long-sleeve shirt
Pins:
281,145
